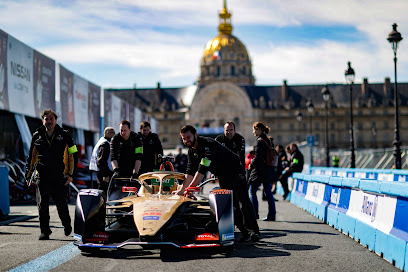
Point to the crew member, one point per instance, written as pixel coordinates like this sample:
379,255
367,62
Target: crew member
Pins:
206,154
233,141
101,159
152,147
54,155
126,151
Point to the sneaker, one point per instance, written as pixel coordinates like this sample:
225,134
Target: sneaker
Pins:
255,237
268,219
67,230
285,196
44,236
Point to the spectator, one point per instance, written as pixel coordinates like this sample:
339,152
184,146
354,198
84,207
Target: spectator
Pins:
180,162
295,165
261,173
54,155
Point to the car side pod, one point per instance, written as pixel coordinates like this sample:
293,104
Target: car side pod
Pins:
89,214
221,203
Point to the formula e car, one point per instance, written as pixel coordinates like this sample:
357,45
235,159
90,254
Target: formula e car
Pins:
152,217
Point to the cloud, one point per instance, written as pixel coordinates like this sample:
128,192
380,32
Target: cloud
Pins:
166,36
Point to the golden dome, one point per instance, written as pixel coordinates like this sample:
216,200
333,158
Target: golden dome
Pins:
225,57
225,47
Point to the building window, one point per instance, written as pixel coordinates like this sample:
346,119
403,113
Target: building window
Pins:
218,70
360,125
165,129
291,127
331,125
243,70
232,70
385,124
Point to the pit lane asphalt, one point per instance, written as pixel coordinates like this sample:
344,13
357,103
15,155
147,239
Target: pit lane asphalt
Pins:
297,241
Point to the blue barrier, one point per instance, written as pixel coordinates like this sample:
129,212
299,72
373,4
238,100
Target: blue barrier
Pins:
371,211
4,190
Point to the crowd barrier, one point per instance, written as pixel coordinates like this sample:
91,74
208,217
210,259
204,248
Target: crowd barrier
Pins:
377,174
372,211
4,190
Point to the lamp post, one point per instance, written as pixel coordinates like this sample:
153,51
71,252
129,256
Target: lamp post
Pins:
394,38
326,98
349,74
299,118
310,108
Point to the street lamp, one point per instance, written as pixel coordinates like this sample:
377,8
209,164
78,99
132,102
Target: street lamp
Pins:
326,98
349,74
310,108
394,38
299,118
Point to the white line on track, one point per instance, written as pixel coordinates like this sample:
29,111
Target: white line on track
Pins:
50,260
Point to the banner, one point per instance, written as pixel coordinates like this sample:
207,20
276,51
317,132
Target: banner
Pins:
67,96
94,106
44,83
116,111
20,77
4,100
81,102
108,110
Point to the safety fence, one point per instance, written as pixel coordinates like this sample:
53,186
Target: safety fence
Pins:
372,211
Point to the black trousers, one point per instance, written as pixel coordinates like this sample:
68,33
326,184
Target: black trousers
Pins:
284,181
102,185
244,212
58,191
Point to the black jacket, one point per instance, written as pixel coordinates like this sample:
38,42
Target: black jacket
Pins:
126,152
260,171
296,162
236,145
55,157
211,156
102,160
151,148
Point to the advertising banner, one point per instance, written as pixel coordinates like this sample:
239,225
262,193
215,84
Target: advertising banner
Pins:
81,102
4,101
44,83
67,96
94,106
108,110
116,112
20,77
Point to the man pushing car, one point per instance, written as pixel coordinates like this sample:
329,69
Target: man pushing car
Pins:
206,154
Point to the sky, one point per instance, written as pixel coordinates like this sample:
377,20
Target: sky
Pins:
120,43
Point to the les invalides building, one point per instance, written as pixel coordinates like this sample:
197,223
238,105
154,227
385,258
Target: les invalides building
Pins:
226,91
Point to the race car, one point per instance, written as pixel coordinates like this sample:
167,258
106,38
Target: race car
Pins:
152,217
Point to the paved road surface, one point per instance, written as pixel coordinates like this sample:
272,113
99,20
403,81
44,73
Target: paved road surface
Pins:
296,242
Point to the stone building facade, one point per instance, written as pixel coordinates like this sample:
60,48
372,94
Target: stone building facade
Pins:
226,91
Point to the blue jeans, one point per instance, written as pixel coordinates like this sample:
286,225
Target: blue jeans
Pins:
253,188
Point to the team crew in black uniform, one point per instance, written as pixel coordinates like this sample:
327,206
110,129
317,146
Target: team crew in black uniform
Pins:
233,141
126,151
152,147
206,154
54,155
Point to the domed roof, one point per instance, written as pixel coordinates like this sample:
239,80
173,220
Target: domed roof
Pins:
225,47
225,57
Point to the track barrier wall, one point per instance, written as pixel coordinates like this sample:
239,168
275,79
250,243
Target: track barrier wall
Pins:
368,205
4,190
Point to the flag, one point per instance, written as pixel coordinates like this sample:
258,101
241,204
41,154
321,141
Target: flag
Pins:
217,55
